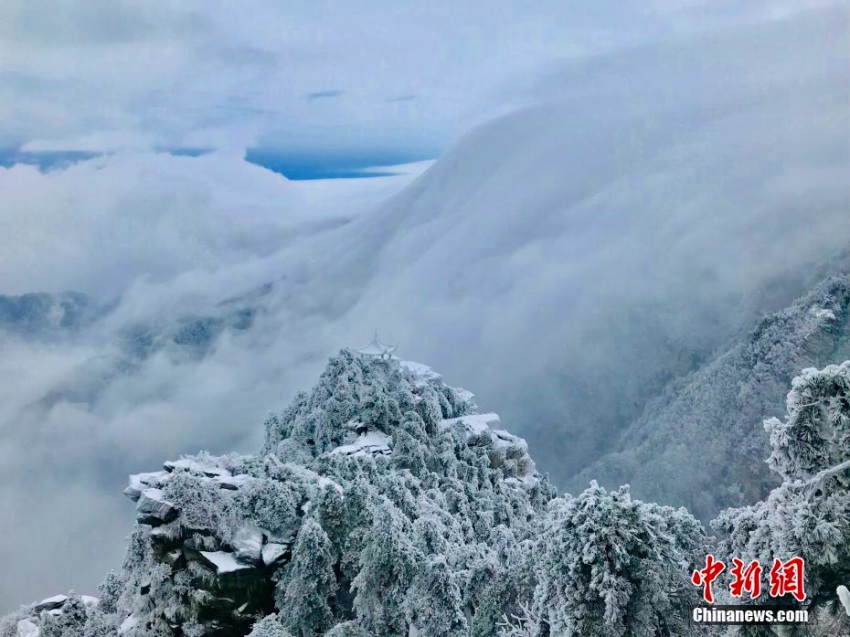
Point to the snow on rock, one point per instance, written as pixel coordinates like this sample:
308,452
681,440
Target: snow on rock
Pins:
371,443
506,450
273,552
822,314
512,446
54,606
89,601
131,622
844,598
145,488
152,508
511,452
141,481
476,424
28,629
247,544
51,603
234,482
189,464
466,396
422,373
157,479
223,561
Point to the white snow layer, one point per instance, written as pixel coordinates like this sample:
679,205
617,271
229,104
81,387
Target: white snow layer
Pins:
131,622
369,443
27,629
421,372
224,562
188,464
474,423
273,551
52,602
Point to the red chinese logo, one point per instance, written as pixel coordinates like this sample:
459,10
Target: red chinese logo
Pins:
747,579
786,578
705,577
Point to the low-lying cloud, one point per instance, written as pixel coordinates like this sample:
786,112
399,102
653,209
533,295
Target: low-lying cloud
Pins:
561,262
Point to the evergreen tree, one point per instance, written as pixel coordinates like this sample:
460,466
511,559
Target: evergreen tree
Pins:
99,624
433,605
71,622
308,584
333,538
808,515
331,515
613,566
388,563
815,435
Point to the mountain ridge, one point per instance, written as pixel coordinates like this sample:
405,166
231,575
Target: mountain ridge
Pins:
216,536
665,455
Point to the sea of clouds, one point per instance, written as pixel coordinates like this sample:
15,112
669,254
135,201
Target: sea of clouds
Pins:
562,261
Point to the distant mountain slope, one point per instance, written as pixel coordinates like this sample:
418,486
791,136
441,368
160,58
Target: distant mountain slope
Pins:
42,315
701,443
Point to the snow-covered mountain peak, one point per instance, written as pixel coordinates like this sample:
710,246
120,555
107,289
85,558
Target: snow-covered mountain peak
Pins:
380,452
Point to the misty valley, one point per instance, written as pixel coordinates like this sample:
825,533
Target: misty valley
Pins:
604,252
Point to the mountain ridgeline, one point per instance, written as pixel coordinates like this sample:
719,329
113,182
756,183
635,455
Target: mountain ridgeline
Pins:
700,443
382,503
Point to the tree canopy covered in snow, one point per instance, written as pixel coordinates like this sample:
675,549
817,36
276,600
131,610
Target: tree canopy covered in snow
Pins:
383,504
700,443
808,514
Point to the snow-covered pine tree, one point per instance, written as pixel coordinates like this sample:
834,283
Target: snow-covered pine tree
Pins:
433,605
71,622
808,515
308,583
611,566
815,435
388,564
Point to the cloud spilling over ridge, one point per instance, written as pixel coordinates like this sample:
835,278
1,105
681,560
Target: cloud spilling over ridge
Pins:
562,262
100,225
573,257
